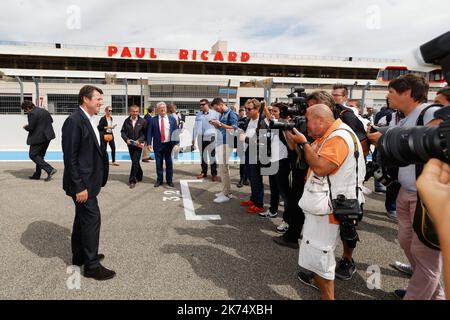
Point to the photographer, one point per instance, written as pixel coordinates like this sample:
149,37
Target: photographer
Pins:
251,138
346,267
279,180
242,123
337,169
409,95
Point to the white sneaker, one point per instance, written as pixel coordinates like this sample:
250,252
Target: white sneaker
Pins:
219,194
268,214
283,227
222,199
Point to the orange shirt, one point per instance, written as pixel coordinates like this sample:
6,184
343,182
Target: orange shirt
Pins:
334,150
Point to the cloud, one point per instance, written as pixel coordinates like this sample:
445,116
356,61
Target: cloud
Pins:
385,28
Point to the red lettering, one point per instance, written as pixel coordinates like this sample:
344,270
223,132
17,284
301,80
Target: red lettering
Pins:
218,56
153,54
194,55
126,52
140,52
184,54
232,56
112,50
204,55
245,57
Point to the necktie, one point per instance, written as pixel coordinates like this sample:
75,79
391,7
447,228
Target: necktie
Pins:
163,131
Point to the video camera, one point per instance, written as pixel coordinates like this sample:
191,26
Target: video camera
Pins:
295,111
405,146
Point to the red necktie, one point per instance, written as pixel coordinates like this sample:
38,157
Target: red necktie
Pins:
163,131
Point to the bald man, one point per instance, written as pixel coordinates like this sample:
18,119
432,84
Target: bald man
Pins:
332,156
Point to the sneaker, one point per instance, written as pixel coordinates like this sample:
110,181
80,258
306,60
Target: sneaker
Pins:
392,215
307,278
380,190
222,199
402,267
219,194
268,214
248,203
283,227
345,269
400,293
255,209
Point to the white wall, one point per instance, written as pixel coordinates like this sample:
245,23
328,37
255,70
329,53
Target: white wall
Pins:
13,136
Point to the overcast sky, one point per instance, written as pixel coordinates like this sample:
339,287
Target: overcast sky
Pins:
386,28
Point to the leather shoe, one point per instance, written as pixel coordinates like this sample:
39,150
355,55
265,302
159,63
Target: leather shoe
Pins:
158,184
201,176
170,184
33,177
132,185
215,179
285,243
100,273
50,175
77,262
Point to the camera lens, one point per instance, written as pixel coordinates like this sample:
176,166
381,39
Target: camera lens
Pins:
404,146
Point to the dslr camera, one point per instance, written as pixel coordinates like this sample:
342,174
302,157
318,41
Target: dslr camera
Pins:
401,147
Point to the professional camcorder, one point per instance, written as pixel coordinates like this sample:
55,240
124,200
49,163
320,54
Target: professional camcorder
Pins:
295,111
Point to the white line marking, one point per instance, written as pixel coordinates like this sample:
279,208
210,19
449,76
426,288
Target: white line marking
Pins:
188,204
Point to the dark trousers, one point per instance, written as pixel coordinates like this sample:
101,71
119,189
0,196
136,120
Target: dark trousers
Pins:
136,173
243,173
112,145
283,186
161,155
392,190
256,184
296,217
274,194
37,154
86,233
207,152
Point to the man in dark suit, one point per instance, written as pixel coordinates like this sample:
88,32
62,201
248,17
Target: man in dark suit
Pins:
133,133
40,133
85,173
163,135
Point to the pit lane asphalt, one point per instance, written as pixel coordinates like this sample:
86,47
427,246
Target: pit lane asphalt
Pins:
158,254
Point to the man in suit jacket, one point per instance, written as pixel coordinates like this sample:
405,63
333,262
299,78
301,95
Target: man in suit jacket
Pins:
40,133
85,173
163,135
133,133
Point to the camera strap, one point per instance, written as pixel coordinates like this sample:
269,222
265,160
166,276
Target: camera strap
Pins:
356,154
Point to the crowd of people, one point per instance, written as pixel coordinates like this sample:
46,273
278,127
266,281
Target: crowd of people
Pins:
317,172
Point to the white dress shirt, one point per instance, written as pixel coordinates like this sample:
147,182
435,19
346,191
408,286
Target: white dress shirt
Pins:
94,127
166,128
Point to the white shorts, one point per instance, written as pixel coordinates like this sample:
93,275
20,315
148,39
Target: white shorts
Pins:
317,247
